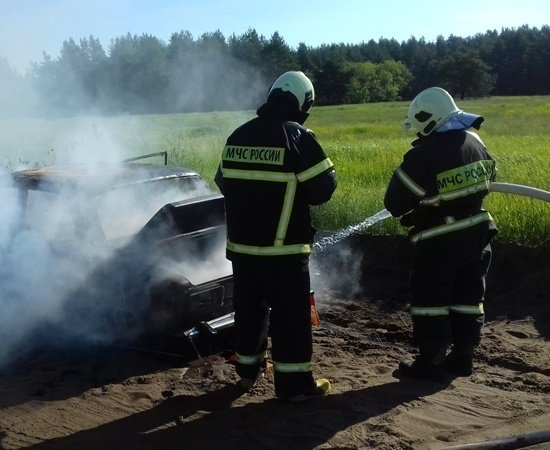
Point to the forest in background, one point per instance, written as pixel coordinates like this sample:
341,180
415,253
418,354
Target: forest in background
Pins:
144,74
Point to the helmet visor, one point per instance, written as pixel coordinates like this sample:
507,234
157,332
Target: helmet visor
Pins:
461,121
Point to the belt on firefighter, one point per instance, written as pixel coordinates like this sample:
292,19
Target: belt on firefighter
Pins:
450,225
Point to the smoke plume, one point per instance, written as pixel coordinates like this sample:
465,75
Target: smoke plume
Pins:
61,255
71,269
337,272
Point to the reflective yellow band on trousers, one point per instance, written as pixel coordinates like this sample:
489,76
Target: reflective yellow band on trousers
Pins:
468,309
292,367
453,226
429,311
445,310
250,359
295,249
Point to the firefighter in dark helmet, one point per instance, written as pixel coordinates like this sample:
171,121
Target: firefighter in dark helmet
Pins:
438,192
272,170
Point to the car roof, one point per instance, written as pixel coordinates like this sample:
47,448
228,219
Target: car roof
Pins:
96,177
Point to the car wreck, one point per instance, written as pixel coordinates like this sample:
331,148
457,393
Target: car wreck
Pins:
122,251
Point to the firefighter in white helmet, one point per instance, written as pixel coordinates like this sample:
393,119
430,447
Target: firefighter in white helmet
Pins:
272,170
438,192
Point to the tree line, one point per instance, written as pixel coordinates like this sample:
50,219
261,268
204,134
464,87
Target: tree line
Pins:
144,74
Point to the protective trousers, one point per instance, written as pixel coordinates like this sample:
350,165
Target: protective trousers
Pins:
448,287
271,294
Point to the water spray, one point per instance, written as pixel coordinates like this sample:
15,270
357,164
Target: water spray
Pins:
506,188
322,243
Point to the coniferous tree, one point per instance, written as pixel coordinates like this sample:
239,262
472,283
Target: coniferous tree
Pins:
277,57
141,74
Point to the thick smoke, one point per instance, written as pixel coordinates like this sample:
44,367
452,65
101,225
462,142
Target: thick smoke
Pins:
71,270
214,81
16,97
62,281
184,76
36,280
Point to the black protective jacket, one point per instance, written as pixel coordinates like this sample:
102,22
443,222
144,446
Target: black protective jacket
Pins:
439,187
272,169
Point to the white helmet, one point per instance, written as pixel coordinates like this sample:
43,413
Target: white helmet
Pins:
429,110
297,84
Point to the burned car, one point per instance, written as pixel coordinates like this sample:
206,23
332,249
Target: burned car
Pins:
110,252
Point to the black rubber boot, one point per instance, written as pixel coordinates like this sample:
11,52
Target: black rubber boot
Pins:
427,365
421,368
460,361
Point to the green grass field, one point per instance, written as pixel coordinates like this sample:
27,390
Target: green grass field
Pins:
365,143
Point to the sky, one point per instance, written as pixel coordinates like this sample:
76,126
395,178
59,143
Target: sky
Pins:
28,28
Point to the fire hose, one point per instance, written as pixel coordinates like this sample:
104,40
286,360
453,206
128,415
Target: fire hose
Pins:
519,189
508,188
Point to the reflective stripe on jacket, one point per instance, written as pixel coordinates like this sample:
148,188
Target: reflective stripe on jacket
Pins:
439,187
452,226
271,171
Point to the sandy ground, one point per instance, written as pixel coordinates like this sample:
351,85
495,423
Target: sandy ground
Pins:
124,398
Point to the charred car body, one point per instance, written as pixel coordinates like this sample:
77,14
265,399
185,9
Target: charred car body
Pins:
126,250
